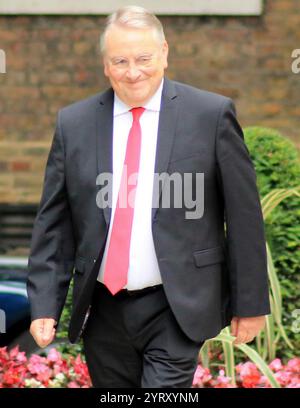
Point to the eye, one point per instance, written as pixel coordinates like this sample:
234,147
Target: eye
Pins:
144,59
119,62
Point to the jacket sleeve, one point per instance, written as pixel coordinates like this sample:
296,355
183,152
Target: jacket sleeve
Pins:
245,235
51,257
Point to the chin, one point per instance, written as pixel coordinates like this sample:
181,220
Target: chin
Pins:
140,98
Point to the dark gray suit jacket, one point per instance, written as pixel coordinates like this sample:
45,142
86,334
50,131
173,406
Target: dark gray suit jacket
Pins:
211,270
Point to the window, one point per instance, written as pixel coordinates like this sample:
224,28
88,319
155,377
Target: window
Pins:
167,7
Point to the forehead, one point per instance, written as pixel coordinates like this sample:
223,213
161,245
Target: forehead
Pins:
130,40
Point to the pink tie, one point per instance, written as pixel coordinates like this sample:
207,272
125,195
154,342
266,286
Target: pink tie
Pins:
117,261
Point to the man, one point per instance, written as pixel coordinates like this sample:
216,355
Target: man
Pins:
151,282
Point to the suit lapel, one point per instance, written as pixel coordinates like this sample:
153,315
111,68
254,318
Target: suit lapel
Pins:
165,137
104,146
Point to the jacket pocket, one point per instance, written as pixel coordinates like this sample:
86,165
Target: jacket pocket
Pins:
209,256
79,264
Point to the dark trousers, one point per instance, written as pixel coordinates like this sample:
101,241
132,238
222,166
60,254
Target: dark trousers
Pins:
135,341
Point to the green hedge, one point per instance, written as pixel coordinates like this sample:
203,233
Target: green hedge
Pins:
277,165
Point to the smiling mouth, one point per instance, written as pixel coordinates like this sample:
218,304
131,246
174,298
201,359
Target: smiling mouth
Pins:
135,83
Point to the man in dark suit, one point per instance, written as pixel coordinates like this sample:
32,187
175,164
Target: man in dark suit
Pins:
152,282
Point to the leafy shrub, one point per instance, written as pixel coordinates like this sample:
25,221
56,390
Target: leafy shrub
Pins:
277,165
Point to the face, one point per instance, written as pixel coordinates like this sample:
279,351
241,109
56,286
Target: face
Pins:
134,61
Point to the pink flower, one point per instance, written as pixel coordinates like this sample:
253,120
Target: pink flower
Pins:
17,355
36,368
283,377
294,365
246,369
223,381
276,365
54,356
225,385
60,367
80,369
293,384
14,352
249,375
36,359
201,376
73,384
265,383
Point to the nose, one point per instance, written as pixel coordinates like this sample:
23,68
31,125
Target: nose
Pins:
133,72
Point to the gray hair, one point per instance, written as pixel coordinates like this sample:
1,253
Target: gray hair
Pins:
132,17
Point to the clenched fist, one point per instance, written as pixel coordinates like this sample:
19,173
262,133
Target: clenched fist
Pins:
43,331
246,328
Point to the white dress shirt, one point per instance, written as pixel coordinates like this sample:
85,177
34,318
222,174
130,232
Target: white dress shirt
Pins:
143,266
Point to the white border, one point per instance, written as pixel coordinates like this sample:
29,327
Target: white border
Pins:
165,7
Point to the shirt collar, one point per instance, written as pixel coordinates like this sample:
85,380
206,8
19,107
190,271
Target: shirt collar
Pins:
153,104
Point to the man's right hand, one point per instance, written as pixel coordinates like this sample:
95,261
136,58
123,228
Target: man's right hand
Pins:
43,331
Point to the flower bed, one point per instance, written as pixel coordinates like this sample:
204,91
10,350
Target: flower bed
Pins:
248,376
54,371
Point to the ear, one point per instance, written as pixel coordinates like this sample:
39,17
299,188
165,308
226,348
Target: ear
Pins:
105,67
165,51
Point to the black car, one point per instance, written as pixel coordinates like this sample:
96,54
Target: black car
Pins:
14,306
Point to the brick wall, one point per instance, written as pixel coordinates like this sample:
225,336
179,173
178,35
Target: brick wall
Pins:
53,61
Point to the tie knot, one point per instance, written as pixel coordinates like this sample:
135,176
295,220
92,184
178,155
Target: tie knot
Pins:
137,112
